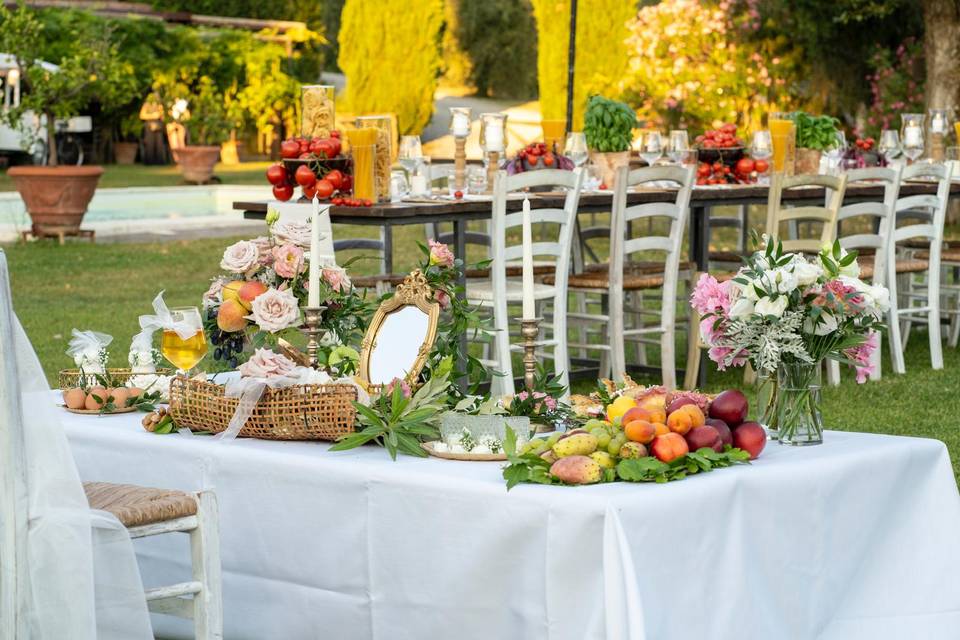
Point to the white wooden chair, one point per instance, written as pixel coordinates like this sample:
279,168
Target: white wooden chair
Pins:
933,211
624,274
499,291
875,248
826,216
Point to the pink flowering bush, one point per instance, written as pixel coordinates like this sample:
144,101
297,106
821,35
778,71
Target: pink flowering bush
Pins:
896,85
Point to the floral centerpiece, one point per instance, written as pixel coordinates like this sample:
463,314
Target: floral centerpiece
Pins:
785,314
257,302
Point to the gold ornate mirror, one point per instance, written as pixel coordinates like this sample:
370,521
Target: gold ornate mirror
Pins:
401,334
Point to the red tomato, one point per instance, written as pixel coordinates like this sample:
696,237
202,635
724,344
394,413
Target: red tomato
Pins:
745,166
309,191
289,149
703,170
283,192
367,202
276,174
325,149
548,159
347,184
761,166
337,202
335,178
458,194
335,147
305,176
334,134
314,147
306,155
324,189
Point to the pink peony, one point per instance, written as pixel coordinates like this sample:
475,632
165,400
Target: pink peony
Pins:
240,257
288,260
337,278
267,364
275,310
440,254
709,295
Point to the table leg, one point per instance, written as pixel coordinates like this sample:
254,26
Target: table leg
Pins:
387,248
699,237
460,250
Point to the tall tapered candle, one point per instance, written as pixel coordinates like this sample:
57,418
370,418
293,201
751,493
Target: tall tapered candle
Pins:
313,291
529,310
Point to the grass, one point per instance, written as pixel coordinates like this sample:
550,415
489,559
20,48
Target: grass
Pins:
116,175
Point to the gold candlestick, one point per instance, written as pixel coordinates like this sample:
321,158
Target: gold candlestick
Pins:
493,165
311,327
530,331
460,163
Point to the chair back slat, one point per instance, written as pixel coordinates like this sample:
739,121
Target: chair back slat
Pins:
880,213
650,243
932,230
656,174
826,215
811,213
541,178
653,210
863,241
515,252
911,231
537,216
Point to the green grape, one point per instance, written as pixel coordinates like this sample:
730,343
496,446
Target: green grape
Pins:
603,440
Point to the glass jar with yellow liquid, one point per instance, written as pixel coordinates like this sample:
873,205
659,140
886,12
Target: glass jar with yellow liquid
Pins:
184,353
553,134
783,135
383,155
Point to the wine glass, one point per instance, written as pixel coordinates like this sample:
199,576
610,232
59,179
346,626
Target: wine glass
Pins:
911,138
410,152
184,354
889,145
576,148
761,148
836,150
679,145
651,147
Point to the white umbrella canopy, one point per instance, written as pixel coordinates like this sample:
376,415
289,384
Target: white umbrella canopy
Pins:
69,572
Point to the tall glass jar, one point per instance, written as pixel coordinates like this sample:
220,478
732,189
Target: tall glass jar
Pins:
363,149
766,406
798,399
317,110
783,135
938,130
384,152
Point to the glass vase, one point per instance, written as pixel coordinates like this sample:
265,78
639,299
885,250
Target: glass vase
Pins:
798,400
766,407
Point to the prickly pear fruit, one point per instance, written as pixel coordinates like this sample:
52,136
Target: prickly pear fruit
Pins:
549,456
604,459
579,444
633,450
576,469
570,433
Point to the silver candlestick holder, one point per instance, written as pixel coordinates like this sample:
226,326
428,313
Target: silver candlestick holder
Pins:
311,327
530,332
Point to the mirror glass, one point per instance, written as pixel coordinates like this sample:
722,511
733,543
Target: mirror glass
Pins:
398,342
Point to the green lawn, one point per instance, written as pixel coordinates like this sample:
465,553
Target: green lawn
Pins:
166,176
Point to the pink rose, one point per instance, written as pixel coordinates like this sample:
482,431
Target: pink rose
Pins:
404,388
240,257
275,310
267,364
291,232
337,278
442,298
264,246
288,260
214,294
440,254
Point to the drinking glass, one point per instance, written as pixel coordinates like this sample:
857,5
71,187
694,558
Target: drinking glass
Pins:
911,136
476,179
836,151
889,145
651,147
576,148
184,354
410,152
783,135
398,185
761,148
678,145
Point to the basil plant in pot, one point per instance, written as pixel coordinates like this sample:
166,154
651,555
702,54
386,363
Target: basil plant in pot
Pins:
198,110
57,196
608,127
815,134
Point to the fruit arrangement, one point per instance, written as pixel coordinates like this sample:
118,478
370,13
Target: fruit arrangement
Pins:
317,167
644,435
101,398
723,138
535,156
311,148
743,171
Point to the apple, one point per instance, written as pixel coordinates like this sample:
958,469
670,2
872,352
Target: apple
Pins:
726,436
679,402
750,437
705,436
731,406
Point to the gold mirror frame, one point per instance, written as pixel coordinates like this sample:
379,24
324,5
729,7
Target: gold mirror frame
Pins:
413,291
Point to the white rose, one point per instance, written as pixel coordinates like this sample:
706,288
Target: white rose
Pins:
881,298
806,273
291,232
747,290
781,280
275,310
240,257
770,307
742,308
827,325
264,363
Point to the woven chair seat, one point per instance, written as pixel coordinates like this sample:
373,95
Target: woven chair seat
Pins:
514,270
948,255
903,266
917,243
371,282
641,267
601,280
724,276
726,256
136,506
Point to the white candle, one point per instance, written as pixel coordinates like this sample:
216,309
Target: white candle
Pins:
494,137
529,309
313,291
912,135
418,186
938,124
461,124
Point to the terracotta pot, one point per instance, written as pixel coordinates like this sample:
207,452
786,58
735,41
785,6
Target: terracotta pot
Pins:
126,152
197,162
607,163
808,161
56,197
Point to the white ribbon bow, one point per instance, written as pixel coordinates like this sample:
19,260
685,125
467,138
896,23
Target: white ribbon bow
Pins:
164,320
86,345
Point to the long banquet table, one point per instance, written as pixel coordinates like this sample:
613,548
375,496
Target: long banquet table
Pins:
853,539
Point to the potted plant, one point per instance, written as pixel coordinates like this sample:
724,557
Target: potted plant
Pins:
125,149
608,127
56,197
815,134
199,108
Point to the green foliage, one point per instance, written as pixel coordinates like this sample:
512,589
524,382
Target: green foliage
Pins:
896,85
390,53
608,124
704,460
815,132
499,39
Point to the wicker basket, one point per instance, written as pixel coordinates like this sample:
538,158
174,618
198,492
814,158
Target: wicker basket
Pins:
70,378
301,412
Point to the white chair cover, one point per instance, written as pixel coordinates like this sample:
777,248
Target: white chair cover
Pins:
81,577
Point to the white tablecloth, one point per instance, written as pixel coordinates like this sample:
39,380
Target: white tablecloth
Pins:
857,538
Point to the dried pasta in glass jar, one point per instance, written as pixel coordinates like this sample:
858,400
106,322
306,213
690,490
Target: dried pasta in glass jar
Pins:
316,110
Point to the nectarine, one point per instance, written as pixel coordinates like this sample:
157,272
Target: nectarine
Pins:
750,437
669,446
731,406
705,436
726,436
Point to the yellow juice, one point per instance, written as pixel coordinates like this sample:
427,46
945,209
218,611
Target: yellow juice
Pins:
956,128
183,354
363,149
782,134
553,134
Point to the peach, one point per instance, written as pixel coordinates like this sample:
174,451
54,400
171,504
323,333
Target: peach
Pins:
669,447
231,290
660,428
74,398
249,291
685,418
92,401
640,431
639,413
230,317
119,397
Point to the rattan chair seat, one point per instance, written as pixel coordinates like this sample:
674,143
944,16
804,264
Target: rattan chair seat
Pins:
601,280
948,255
135,506
903,266
640,267
726,256
514,270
